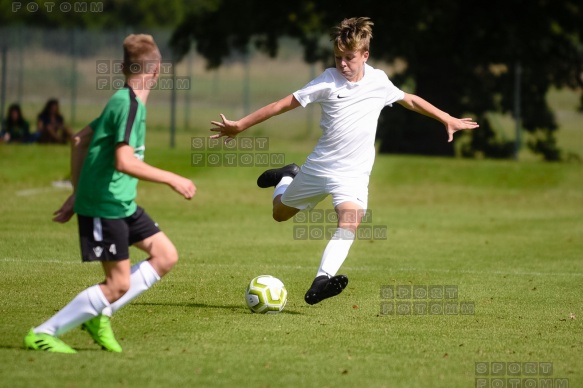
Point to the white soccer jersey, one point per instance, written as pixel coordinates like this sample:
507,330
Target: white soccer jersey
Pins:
350,111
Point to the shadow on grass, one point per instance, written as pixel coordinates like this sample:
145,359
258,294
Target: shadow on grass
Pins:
232,307
12,347
32,352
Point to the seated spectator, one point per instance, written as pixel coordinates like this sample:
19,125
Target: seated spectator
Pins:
15,129
51,125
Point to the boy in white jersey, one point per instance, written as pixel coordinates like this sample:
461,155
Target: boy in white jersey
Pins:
352,96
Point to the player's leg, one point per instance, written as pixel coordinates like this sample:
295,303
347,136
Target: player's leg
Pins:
282,212
116,284
296,192
85,306
349,217
144,274
350,198
145,234
327,283
99,242
106,240
280,178
162,257
117,279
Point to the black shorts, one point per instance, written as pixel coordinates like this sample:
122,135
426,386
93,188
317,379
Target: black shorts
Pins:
105,239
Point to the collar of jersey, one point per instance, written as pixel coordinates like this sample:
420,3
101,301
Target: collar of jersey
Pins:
352,85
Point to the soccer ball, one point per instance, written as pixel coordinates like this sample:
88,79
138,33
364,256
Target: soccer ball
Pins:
266,295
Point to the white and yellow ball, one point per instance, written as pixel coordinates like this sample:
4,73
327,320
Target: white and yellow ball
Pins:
266,295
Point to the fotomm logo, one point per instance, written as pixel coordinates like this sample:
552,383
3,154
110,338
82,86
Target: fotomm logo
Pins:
530,374
239,152
320,224
423,299
65,7
137,83
110,76
115,67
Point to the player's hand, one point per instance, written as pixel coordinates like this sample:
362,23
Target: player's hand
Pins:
66,211
454,125
183,186
226,128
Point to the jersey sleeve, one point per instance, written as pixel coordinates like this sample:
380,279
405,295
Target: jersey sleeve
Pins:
394,94
122,119
316,90
95,123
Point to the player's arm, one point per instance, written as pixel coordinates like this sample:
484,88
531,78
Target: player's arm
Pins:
452,124
126,162
233,128
79,146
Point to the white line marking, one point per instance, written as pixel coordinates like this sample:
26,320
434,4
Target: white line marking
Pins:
30,192
56,186
468,271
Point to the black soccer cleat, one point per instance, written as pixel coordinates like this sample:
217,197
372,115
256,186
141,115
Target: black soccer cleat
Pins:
324,288
271,178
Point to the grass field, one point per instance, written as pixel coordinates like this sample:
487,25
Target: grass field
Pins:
508,235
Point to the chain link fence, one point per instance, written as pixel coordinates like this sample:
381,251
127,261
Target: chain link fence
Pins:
76,67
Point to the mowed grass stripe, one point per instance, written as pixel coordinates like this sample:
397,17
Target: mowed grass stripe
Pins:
508,235
346,268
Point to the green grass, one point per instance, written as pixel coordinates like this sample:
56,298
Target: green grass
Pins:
508,235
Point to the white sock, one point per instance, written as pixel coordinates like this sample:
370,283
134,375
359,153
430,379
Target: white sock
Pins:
335,252
282,186
88,304
143,277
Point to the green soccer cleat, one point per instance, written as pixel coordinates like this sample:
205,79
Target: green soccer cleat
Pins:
99,328
46,342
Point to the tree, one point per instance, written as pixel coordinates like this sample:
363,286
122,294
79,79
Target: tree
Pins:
91,14
460,56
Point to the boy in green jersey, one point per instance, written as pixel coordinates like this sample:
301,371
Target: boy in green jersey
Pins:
106,164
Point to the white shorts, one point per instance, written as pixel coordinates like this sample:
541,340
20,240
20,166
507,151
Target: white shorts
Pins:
306,191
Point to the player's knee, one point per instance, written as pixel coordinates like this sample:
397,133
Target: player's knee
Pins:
279,216
169,258
351,226
172,257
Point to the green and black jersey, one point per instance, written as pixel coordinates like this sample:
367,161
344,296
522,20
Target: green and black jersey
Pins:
102,191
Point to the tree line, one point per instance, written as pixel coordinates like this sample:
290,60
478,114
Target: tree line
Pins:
463,56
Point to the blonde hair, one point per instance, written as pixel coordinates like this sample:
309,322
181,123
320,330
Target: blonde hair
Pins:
138,50
352,34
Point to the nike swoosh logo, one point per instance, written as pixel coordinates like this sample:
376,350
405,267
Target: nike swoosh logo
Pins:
339,96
